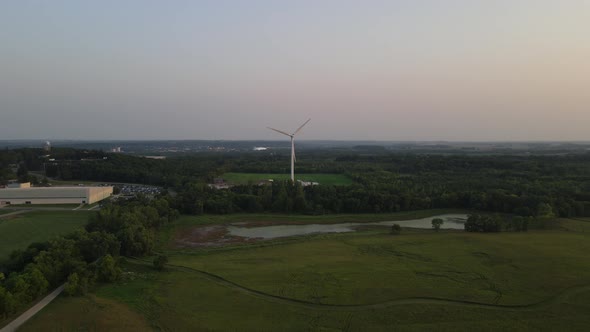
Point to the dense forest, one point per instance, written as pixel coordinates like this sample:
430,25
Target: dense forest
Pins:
529,185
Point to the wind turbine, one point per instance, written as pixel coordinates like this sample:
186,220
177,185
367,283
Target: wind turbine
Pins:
292,146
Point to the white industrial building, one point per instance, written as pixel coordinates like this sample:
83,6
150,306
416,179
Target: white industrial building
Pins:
19,185
54,195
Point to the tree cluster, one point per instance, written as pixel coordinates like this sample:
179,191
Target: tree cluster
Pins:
84,257
81,257
495,223
133,225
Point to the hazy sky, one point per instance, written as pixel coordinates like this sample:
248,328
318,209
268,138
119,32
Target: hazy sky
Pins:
374,70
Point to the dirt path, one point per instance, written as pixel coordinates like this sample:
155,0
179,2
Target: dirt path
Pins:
78,207
559,298
15,324
14,213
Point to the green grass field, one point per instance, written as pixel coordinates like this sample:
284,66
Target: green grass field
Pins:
366,281
244,178
580,225
17,232
92,314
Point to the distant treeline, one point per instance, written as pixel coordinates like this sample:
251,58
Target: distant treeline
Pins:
540,186
557,185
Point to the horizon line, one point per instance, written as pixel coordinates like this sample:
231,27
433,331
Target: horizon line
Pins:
299,140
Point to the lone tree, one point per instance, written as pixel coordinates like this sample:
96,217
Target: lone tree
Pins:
396,229
160,262
108,270
436,223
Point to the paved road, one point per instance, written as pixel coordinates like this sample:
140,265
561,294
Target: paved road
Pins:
15,324
13,213
78,208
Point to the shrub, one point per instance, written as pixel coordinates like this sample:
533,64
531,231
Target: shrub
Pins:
160,262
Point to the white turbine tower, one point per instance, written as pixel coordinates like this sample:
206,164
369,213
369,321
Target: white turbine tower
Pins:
292,146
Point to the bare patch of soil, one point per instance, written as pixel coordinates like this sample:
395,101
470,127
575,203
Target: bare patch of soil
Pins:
249,224
207,236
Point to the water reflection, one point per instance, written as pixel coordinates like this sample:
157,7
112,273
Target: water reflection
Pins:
451,221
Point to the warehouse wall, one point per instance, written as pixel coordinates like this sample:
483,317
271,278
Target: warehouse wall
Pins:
54,195
96,194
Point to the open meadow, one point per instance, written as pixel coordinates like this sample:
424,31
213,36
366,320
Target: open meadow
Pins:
325,179
18,231
365,281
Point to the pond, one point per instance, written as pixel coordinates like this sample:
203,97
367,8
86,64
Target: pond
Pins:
451,221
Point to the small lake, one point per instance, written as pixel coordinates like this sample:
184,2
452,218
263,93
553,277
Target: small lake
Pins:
451,221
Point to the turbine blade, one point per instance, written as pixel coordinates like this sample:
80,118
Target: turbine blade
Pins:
279,131
298,129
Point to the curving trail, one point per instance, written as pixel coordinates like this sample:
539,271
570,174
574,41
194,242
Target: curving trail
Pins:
24,317
559,298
